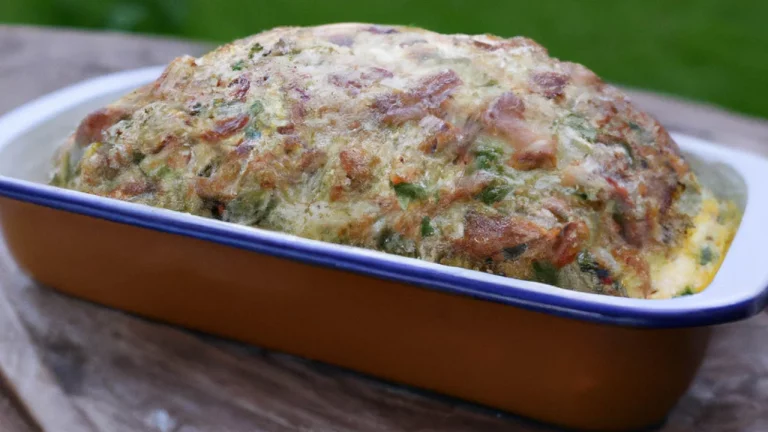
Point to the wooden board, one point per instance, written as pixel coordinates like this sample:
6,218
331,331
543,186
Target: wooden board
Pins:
80,367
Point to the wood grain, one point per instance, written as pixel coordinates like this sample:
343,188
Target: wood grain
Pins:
109,371
13,416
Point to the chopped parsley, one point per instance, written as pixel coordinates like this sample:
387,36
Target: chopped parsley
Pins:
257,108
252,132
707,255
487,158
426,227
255,48
686,292
493,194
409,191
238,65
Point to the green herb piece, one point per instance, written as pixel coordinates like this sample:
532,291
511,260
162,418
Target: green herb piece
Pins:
256,108
707,255
238,65
252,132
582,126
487,157
514,252
686,292
409,191
493,194
491,82
406,192
426,227
255,48
585,261
545,272
634,126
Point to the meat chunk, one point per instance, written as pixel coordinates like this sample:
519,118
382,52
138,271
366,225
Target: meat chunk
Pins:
428,97
550,84
93,126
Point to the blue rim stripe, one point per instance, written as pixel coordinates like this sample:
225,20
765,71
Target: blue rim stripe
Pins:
399,271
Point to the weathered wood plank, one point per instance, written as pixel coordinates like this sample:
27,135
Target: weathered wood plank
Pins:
22,370
13,416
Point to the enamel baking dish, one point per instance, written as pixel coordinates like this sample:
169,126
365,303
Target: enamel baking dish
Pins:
574,359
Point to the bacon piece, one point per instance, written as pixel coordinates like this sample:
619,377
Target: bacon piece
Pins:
286,129
486,237
539,154
312,160
428,97
357,164
225,128
240,86
440,133
505,116
131,188
347,82
533,151
93,126
569,242
550,84
639,265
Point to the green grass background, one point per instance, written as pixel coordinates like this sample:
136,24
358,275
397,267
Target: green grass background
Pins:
711,50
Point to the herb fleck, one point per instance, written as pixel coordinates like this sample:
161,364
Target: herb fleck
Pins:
686,292
486,157
426,227
409,191
493,193
257,108
707,255
252,132
255,48
238,65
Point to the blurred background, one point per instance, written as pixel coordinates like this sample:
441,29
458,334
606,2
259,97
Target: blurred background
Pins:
710,50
